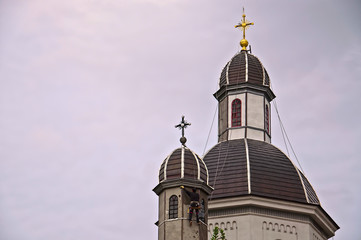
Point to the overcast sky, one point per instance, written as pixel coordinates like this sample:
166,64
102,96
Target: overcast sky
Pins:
90,92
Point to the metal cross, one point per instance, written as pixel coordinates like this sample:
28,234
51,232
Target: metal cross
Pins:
244,24
182,125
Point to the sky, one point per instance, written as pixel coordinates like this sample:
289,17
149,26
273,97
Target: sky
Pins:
90,92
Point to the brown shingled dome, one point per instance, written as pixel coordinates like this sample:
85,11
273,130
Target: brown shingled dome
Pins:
182,163
244,67
250,167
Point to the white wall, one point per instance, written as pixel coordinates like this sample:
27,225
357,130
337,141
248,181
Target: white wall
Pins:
255,111
258,227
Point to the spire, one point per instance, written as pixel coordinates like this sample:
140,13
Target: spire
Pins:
182,125
244,24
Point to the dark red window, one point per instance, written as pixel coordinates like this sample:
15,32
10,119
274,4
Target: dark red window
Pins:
173,207
236,113
266,118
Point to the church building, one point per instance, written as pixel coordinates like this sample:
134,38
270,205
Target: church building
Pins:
246,186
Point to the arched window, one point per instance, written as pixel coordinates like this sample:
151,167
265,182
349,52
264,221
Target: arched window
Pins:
266,118
236,113
173,207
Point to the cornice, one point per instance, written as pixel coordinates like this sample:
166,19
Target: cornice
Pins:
182,182
244,87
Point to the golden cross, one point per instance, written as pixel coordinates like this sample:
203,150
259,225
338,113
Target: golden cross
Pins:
244,24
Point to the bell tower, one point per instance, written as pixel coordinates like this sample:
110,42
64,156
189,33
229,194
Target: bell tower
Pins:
181,168
244,96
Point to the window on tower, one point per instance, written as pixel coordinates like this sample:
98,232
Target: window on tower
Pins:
266,118
236,113
173,207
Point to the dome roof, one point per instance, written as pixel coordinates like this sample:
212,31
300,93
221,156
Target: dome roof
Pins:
245,166
244,67
182,163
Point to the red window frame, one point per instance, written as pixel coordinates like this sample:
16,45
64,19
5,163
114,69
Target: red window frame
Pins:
236,113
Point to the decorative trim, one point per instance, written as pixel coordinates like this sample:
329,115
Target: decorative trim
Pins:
248,166
269,118
229,63
171,220
303,185
259,211
166,164
226,225
246,77
205,166
245,114
241,127
214,214
227,113
182,162
240,88
263,73
266,120
165,210
264,117
175,183
177,219
198,167
319,202
182,193
279,227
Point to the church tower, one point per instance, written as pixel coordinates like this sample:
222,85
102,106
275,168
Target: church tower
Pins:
244,96
182,169
259,194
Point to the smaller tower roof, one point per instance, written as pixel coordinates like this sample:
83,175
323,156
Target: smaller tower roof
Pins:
183,163
183,167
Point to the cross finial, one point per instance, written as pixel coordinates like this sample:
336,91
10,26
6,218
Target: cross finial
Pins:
182,125
244,24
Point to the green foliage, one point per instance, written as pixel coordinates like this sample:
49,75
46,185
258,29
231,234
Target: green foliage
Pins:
223,235
216,232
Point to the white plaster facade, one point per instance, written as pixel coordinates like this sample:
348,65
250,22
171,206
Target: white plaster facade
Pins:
253,117
256,218
179,228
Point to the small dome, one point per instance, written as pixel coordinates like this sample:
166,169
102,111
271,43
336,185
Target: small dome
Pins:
244,67
182,163
250,167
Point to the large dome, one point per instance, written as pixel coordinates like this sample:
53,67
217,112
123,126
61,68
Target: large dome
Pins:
250,167
182,163
244,67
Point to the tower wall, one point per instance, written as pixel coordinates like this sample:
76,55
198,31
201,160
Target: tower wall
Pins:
223,119
255,111
179,228
253,117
